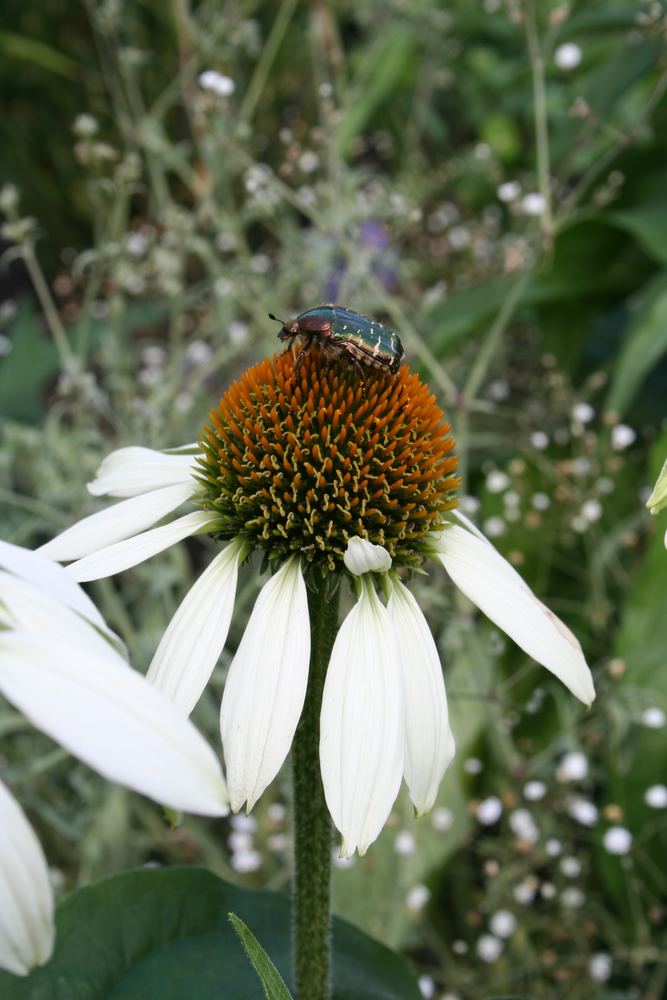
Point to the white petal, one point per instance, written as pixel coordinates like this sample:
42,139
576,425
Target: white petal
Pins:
491,583
362,726
429,744
26,913
457,515
109,716
194,448
193,641
266,686
120,521
51,578
23,606
361,556
132,551
130,471
452,516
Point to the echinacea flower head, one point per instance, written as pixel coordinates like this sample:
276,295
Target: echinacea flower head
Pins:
65,670
302,461
328,473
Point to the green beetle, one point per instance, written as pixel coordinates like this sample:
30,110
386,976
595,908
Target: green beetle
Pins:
343,333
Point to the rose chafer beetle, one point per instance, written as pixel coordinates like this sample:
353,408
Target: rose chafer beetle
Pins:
343,333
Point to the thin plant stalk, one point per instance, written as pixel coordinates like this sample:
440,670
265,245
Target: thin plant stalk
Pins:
312,824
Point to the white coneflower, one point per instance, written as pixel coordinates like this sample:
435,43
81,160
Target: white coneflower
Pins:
61,666
329,475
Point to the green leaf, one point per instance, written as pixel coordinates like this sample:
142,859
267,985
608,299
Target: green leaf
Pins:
35,52
502,134
571,279
641,639
645,343
637,754
611,81
270,978
648,223
31,361
381,72
163,934
590,18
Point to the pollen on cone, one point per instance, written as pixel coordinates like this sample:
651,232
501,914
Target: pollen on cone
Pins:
300,460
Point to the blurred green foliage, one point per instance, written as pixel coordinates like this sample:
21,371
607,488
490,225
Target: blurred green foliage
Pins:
489,179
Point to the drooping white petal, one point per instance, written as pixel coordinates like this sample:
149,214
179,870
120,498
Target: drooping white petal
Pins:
457,515
454,516
51,578
132,551
429,744
130,471
120,521
362,556
193,641
362,726
491,583
266,686
110,717
26,911
26,607
193,448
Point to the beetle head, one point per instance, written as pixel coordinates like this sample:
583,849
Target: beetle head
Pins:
288,329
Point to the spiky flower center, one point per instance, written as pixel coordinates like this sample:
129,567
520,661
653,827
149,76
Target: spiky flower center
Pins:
300,460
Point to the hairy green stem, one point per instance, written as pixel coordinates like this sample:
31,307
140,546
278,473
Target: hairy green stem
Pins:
312,824
39,283
269,52
536,56
494,337
485,356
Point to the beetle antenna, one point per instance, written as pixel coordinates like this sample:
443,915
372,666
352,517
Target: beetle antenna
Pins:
275,318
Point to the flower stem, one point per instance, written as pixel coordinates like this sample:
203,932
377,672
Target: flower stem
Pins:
536,56
312,825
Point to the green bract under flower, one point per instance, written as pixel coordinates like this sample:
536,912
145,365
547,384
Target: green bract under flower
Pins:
303,461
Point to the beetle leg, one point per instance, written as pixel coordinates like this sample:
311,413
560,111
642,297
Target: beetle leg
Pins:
352,357
328,352
307,347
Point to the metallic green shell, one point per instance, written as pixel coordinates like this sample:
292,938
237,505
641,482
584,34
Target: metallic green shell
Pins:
364,339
